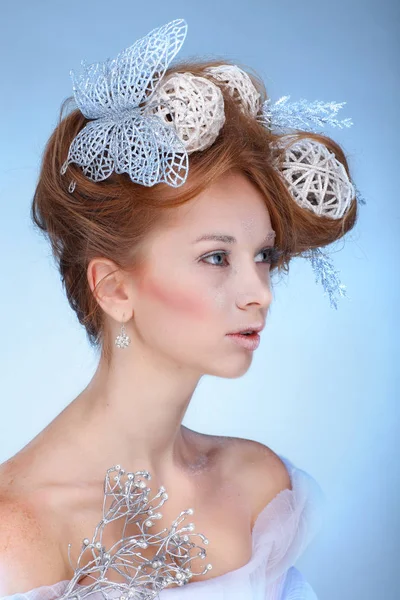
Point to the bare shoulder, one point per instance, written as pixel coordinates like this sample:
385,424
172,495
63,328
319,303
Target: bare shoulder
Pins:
29,556
258,469
240,455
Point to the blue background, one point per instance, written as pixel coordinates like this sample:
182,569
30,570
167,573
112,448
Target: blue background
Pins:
323,388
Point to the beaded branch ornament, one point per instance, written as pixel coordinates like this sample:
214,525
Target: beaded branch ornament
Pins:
146,124
126,498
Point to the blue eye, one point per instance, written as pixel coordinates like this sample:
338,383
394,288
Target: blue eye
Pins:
272,253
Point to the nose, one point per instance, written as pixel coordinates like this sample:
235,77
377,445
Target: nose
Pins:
254,288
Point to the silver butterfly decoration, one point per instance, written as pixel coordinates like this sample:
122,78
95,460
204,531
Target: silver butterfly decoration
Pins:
121,137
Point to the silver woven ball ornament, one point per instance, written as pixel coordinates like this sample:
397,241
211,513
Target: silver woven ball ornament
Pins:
193,105
239,85
316,179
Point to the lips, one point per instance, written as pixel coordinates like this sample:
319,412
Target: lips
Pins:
249,342
256,328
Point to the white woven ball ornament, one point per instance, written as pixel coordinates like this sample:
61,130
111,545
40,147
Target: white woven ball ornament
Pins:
194,105
316,179
239,85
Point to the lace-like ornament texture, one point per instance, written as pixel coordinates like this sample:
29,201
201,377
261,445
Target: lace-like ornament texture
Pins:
139,578
120,138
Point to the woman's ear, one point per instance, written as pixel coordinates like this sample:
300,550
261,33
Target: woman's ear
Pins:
110,287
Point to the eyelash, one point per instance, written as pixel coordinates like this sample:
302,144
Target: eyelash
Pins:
272,251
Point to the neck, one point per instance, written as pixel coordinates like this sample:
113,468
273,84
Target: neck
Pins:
131,414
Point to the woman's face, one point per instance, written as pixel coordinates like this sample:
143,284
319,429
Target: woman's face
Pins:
186,301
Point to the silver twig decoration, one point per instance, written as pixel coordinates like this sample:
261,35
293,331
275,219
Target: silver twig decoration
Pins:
142,578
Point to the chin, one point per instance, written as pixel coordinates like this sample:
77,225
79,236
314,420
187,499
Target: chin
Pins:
232,368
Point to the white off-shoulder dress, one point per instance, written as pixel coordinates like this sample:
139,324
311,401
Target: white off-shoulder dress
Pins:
282,531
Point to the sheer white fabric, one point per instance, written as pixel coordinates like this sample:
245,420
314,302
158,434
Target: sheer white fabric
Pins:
282,531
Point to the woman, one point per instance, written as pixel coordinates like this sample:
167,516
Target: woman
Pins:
136,234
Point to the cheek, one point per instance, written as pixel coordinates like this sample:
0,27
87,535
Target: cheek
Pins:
171,297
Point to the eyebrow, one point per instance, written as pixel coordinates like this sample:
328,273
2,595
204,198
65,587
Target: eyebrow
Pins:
229,239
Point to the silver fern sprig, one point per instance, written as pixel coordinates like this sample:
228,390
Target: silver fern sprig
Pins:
301,114
326,275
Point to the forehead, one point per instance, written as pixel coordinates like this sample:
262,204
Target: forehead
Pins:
231,203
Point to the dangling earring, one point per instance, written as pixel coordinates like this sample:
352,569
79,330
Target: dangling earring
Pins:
122,340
